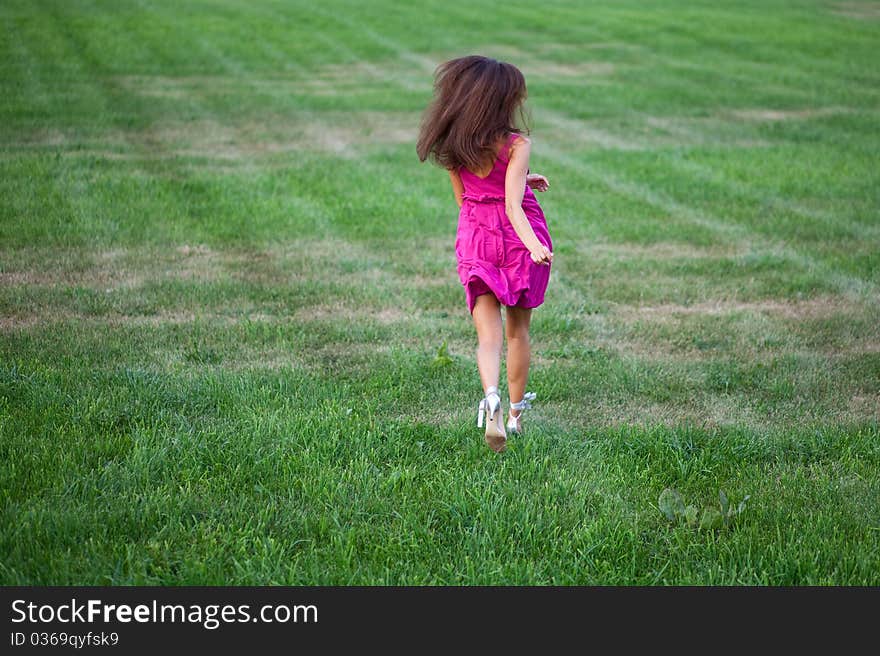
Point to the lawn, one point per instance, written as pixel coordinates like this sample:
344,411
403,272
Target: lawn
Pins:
227,284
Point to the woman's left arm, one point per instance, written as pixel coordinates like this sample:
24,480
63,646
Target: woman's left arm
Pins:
457,186
514,187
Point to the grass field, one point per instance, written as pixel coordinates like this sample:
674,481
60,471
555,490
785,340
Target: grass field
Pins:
225,279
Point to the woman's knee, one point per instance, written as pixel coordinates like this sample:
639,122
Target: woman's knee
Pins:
517,327
490,340
489,347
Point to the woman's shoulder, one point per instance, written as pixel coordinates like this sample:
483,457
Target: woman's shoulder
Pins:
516,140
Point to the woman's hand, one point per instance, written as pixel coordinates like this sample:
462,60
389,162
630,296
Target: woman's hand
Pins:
537,182
542,255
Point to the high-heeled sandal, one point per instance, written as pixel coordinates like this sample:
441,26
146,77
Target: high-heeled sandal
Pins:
514,425
490,411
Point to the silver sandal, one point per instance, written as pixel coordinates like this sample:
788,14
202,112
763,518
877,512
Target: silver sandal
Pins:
490,413
514,425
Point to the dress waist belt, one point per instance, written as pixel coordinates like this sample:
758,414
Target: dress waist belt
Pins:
482,198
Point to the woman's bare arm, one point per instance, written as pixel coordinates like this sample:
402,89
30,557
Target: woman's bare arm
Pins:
514,186
457,186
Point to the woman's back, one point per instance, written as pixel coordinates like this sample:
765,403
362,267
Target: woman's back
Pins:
492,185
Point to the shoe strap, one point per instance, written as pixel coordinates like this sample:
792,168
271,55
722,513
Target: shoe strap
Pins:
526,402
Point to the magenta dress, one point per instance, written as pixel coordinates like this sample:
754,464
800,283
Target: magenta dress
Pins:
491,257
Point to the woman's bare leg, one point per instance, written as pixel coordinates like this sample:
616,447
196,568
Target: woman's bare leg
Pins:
519,353
487,319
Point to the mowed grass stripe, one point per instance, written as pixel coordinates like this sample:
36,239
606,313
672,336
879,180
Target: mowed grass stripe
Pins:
616,28
722,229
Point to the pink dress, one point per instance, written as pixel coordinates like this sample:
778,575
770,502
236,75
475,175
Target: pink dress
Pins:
491,257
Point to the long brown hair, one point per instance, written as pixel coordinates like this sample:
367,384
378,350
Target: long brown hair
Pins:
476,100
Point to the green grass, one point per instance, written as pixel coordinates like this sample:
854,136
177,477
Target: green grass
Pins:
224,279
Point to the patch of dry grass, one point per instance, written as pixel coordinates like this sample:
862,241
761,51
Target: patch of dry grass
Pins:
866,10
766,114
823,306
340,134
